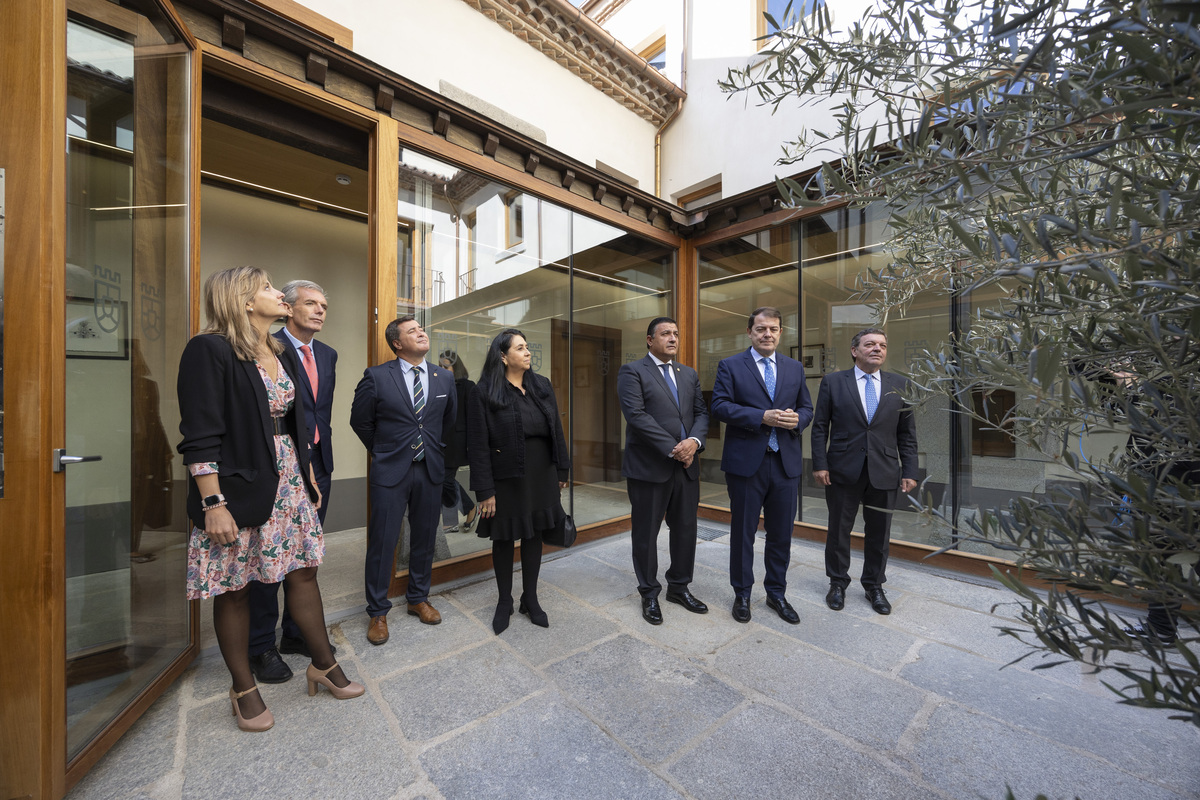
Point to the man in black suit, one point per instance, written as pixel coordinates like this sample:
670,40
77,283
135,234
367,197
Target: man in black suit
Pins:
312,366
666,422
763,401
864,448
400,411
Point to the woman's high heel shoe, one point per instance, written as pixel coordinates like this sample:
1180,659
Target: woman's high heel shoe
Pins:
536,615
262,722
504,610
321,676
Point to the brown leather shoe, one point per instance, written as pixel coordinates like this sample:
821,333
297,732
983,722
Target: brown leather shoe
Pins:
377,632
428,614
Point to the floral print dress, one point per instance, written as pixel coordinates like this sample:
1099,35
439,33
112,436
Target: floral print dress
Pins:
289,540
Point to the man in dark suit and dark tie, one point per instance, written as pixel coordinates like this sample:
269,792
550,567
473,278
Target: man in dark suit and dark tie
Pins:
666,422
864,443
312,366
399,412
763,401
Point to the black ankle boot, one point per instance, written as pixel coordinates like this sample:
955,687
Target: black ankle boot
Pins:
503,612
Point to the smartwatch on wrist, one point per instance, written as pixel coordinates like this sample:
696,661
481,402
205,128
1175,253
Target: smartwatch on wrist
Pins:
212,501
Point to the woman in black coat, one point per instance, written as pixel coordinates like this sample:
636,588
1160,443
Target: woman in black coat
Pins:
251,498
519,462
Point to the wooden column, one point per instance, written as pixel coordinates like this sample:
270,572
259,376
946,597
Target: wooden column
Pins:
33,66
385,193
687,303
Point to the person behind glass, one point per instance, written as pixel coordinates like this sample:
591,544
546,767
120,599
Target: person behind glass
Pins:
454,496
252,499
519,462
313,365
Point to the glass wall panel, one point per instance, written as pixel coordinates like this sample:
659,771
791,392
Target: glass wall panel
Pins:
737,276
620,283
478,256
126,270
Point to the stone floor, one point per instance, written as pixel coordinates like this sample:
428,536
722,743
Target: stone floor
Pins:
849,704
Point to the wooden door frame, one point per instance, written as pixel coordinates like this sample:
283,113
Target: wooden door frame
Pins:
33,70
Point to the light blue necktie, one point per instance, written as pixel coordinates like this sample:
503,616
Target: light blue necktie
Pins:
419,408
769,378
872,399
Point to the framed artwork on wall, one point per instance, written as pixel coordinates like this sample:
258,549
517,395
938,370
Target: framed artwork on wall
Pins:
97,331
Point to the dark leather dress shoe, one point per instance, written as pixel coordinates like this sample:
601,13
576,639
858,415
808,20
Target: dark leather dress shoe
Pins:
836,598
297,646
686,599
879,601
784,609
377,632
651,611
1144,630
741,609
268,667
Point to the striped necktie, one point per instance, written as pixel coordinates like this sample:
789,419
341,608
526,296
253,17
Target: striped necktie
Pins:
419,408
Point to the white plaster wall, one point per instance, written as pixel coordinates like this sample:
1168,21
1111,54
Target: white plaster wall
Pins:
732,135
428,41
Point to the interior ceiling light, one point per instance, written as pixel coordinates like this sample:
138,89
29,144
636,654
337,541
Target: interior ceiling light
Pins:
343,179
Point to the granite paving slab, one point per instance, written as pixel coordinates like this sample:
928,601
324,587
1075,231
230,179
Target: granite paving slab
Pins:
870,642
589,580
652,701
837,694
969,755
763,753
431,700
409,640
572,626
147,752
961,627
1144,740
543,748
316,749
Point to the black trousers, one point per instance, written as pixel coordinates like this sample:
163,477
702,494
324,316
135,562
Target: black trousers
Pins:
843,501
421,497
675,500
264,597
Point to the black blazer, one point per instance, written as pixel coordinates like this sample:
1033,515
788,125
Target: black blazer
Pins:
456,436
653,419
496,441
842,440
224,418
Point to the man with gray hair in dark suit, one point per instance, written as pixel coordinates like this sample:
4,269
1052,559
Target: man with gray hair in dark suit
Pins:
312,366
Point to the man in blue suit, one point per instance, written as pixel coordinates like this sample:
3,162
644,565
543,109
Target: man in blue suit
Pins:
763,401
399,412
666,423
864,448
312,366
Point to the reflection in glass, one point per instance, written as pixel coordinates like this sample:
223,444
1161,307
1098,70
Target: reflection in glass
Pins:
126,277
478,256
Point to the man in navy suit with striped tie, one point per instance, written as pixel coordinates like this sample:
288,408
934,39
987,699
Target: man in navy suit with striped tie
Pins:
864,448
666,423
763,401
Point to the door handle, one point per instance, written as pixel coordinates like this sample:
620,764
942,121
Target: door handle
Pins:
59,459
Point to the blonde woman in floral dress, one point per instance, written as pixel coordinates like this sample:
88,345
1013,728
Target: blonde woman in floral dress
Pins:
252,499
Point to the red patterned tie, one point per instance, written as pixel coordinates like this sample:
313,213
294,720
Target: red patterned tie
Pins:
310,366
